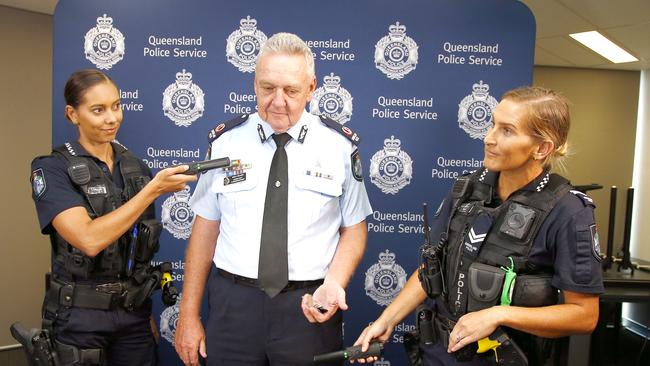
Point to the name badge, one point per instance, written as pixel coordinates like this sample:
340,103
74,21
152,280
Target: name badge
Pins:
237,178
95,190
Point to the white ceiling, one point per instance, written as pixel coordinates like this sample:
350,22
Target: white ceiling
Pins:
626,22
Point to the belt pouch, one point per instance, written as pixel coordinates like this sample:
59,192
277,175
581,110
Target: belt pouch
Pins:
534,291
485,283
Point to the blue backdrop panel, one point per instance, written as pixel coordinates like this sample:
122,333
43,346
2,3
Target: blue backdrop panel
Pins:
417,80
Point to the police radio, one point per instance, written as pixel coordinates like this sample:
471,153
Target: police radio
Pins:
429,272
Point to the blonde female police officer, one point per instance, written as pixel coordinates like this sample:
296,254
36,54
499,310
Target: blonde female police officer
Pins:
94,199
511,217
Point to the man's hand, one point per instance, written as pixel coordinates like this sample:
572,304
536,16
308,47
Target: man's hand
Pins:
190,340
324,303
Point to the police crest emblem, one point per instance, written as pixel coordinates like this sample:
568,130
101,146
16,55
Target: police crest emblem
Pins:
475,111
104,44
332,100
243,45
183,100
381,362
384,279
177,217
169,320
396,54
391,169
38,182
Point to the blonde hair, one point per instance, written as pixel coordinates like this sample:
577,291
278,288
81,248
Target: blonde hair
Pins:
289,44
547,119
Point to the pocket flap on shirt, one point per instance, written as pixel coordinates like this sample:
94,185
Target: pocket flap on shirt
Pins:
236,183
327,186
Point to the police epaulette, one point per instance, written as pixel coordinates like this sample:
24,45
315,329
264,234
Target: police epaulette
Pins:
225,126
586,200
120,145
343,130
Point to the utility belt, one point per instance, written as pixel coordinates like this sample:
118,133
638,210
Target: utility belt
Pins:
434,328
129,294
252,282
106,296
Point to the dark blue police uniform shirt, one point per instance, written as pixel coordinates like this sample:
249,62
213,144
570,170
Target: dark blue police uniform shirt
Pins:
567,241
59,192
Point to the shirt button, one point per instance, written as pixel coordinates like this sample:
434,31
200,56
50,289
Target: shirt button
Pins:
277,184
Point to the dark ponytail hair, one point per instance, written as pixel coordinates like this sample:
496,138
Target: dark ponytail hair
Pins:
79,82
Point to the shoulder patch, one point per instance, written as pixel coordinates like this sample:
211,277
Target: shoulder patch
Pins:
595,241
343,130
357,171
586,200
225,126
39,186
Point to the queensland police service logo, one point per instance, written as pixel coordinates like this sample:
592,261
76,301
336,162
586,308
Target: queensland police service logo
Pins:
243,45
396,54
177,216
385,279
104,44
391,169
332,100
168,321
381,362
475,111
183,100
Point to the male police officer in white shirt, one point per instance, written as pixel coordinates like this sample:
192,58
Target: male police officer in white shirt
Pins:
250,322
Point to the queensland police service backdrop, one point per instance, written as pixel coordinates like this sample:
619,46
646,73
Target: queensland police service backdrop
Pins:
417,80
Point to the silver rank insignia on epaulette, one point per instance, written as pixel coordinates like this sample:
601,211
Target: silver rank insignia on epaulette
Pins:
302,134
475,111
332,100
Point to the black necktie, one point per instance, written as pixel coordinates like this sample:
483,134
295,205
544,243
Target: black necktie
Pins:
273,272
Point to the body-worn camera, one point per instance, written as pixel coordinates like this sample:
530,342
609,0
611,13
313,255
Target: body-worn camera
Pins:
518,220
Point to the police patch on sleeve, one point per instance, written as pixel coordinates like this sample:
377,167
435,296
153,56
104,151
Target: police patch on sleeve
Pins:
38,183
595,241
357,171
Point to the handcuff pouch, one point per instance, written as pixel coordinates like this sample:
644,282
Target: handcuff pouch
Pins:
485,283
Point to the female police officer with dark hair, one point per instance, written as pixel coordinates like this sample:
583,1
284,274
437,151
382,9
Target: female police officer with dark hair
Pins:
94,199
511,234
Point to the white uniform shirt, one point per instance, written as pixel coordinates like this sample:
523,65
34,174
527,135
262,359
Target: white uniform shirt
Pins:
323,196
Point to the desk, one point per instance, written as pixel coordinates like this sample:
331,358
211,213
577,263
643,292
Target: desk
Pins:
620,287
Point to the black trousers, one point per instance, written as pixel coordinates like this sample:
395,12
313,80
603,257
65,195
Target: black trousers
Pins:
125,337
246,327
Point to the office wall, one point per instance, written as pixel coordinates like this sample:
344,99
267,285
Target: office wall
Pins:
25,131
603,117
639,245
